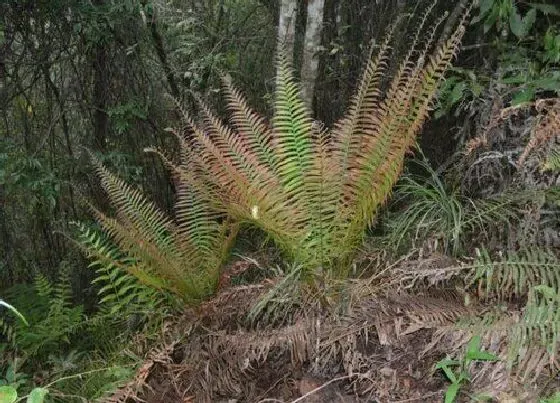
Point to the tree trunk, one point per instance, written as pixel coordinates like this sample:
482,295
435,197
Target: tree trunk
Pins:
452,21
162,55
287,27
100,92
312,41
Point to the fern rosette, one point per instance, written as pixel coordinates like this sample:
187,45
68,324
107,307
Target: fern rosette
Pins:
315,191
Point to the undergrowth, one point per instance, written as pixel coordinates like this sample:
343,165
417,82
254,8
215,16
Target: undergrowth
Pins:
314,192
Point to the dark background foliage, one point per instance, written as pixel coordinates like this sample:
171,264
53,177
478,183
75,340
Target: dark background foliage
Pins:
101,75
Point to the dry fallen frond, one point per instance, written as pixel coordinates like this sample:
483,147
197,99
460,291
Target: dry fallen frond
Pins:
370,342
547,126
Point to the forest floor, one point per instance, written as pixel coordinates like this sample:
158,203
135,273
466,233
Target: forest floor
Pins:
378,337
368,346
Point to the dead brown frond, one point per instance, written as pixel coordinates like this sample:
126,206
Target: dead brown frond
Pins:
369,338
139,384
546,127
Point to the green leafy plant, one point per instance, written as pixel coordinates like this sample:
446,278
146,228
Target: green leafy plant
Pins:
13,380
53,316
434,210
458,371
526,59
505,16
119,290
181,256
315,191
9,394
13,377
461,87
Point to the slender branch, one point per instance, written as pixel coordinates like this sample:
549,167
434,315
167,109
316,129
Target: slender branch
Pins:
305,396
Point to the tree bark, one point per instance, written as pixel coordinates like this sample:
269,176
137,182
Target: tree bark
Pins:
452,21
162,55
287,27
100,92
312,41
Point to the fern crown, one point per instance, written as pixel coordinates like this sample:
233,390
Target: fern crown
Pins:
315,191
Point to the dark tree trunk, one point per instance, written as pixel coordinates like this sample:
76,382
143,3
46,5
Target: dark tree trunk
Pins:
100,92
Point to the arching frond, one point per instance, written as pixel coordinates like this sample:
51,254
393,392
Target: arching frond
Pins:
515,274
181,255
315,191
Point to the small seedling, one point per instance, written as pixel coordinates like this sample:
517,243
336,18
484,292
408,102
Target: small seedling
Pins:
460,374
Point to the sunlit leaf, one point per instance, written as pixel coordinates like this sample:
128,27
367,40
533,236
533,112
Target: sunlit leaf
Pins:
37,395
520,26
8,394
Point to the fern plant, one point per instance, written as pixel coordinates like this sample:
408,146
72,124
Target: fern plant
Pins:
315,191
531,277
182,255
514,274
52,318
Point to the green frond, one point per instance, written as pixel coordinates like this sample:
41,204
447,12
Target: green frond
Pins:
53,318
134,209
363,104
43,286
119,290
292,132
182,255
405,111
514,274
539,326
552,162
250,127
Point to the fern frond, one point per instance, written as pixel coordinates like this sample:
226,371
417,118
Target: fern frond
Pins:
119,290
135,210
43,286
539,325
182,256
515,274
292,128
552,162
250,126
